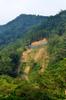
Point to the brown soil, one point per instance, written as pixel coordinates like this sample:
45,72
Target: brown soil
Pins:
39,55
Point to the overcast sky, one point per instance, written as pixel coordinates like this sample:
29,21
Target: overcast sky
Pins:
9,9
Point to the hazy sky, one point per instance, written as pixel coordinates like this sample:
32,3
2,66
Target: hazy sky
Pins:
9,9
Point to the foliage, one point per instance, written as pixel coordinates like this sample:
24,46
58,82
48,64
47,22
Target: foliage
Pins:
19,34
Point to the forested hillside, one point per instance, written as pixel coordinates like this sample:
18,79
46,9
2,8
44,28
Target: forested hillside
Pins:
18,27
33,58
33,27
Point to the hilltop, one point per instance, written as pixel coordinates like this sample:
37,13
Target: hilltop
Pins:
15,29
32,28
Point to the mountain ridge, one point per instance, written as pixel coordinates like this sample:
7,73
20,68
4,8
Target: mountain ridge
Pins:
24,24
18,27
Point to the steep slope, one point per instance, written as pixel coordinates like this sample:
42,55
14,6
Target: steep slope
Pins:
9,55
36,54
28,59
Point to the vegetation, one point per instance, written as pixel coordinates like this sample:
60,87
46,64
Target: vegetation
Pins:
51,84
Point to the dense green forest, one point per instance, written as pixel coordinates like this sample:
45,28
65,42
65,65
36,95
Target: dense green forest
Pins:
15,38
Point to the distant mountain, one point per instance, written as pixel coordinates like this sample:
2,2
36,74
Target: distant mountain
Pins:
17,28
32,27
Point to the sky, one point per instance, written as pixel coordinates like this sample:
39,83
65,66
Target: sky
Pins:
10,9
